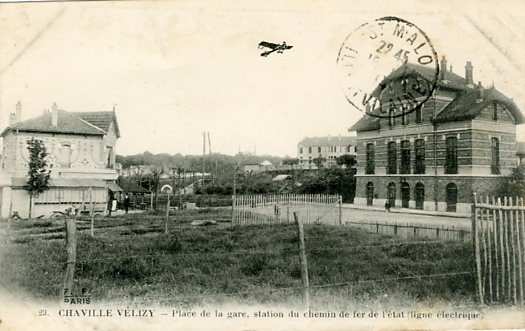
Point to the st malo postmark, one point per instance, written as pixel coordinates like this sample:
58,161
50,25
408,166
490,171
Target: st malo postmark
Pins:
380,56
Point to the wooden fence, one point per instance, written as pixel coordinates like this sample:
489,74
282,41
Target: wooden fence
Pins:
271,209
499,244
407,230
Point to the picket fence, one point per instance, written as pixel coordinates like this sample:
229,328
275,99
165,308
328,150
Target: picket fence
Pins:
273,209
407,230
499,243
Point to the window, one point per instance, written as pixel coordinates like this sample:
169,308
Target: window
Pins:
391,114
309,149
419,114
370,162
495,111
3,157
404,117
392,158
405,157
419,167
495,157
109,163
65,156
300,150
318,149
451,162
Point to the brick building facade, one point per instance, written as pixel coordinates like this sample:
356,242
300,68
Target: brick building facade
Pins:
459,142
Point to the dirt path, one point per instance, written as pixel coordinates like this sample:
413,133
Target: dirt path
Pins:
349,214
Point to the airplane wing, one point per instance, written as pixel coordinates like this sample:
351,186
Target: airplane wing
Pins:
265,54
267,44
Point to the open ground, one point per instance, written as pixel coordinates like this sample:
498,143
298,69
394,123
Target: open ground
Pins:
131,261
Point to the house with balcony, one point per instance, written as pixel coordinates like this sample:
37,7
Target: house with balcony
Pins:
459,142
81,148
330,148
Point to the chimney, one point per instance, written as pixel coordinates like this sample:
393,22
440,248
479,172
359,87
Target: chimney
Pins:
443,68
54,115
18,112
12,119
468,74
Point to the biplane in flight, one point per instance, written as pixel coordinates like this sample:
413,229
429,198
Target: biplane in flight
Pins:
279,48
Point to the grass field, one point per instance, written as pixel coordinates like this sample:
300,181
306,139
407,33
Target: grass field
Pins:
131,260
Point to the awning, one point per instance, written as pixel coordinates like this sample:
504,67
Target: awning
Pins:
21,182
113,187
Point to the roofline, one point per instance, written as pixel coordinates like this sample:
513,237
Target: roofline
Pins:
9,128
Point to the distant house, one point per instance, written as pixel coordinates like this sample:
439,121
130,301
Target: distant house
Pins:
259,167
81,149
520,152
328,147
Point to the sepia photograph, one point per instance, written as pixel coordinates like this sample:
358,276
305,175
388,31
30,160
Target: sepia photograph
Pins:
280,165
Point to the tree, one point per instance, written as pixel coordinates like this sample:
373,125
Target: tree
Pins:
347,160
290,161
318,161
513,185
156,172
38,173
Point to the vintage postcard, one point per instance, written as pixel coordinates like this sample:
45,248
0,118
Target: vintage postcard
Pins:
279,165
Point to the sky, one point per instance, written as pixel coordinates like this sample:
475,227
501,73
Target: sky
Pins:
173,70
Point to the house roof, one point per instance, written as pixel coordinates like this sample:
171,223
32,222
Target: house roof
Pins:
470,104
280,178
100,119
366,123
329,141
67,123
129,186
450,79
266,163
465,106
90,123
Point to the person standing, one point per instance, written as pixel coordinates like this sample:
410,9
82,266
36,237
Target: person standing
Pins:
127,203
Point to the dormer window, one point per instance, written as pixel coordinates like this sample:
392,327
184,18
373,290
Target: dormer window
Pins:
419,114
391,114
494,111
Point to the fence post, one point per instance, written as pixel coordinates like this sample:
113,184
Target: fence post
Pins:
10,219
475,243
167,213
340,210
233,209
91,211
71,248
304,266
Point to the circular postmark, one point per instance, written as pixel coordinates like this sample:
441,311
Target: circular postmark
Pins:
389,67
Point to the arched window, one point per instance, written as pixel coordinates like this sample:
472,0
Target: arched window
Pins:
405,195
391,194
452,197
419,195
